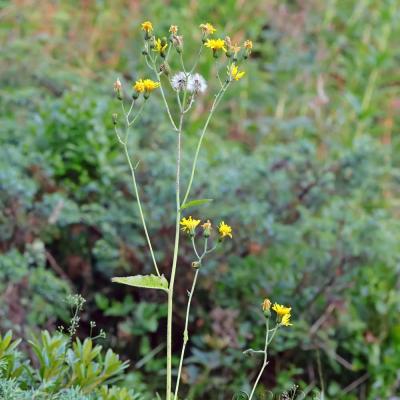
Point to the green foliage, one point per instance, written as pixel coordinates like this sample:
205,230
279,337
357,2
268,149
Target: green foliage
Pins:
144,281
302,158
61,369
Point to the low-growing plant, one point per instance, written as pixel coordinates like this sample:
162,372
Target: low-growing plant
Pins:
61,368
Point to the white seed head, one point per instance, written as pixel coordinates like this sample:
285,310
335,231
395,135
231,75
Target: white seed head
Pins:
178,81
197,84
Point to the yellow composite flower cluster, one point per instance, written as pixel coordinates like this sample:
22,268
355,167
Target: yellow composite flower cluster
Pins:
216,44
159,46
147,26
224,230
234,72
190,224
283,313
145,85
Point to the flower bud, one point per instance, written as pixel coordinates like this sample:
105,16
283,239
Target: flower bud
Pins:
145,52
266,307
115,118
118,89
196,264
165,68
207,227
177,42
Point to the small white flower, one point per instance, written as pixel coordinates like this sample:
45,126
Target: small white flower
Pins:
197,84
178,81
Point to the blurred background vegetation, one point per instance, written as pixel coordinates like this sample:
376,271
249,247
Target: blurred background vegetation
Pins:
302,159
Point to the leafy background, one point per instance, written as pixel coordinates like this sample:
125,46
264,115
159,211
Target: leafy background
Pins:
302,159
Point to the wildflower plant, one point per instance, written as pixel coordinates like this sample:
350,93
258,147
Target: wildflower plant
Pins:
187,85
282,319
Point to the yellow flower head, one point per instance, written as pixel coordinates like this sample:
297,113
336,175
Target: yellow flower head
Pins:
189,225
173,29
139,86
266,305
216,44
207,29
234,72
224,230
147,26
150,85
285,321
159,46
281,310
248,44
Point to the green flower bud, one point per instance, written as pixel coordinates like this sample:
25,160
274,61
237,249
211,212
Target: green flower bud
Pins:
196,264
115,118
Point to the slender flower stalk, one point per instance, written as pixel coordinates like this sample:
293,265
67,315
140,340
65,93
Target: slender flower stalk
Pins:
188,86
124,144
174,261
214,106
265,361
185,334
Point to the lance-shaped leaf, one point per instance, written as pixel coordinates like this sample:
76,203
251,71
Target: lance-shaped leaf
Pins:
194,203
144,281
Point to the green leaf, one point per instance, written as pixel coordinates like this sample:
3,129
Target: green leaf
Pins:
194,203
144,281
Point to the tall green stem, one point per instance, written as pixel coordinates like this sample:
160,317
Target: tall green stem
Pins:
185,334
174,262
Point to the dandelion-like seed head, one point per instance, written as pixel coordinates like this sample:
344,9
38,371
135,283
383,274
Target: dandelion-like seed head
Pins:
178,81
197,84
